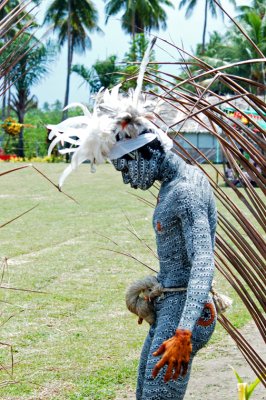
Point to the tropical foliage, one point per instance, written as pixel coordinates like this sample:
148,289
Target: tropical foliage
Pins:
245,390
229,49
258,6
139,16
209,5
32,67
104,73
107,73
15,19
72,20
136,52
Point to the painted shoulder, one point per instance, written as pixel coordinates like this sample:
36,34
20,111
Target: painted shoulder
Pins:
189,190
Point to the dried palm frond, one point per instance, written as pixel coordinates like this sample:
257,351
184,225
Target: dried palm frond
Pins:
194,106
14,23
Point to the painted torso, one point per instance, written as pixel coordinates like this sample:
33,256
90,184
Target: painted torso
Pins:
184,222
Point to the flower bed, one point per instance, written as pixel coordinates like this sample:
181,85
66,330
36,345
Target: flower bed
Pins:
6,157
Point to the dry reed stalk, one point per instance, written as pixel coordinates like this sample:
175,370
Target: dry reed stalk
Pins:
240,245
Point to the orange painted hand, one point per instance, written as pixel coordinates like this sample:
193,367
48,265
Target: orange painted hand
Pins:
176,354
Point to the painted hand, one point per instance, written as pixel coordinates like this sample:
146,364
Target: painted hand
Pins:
176,354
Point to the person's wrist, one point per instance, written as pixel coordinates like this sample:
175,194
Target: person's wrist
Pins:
183,333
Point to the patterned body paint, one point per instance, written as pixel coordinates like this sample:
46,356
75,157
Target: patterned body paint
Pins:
141,169
184,222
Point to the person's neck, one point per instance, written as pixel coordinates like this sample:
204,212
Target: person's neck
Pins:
171,166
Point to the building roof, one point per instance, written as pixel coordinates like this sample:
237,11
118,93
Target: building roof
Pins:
176,117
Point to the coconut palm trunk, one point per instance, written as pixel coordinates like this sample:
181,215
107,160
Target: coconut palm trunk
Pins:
4,99
20,151
20,111
9,97
69,60
204,27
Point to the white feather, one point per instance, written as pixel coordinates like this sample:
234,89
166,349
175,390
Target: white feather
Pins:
66,137
115,93
82,106
64,175
94,144
142,70
94,135
80,121
106,96
68,150
98,95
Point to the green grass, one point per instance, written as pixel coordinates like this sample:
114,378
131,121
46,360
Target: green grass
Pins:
77,340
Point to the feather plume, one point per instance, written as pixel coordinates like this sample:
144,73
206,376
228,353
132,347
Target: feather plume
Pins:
91,136
115,116
82,106
142,70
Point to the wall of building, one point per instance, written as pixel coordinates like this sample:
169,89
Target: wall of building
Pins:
203,141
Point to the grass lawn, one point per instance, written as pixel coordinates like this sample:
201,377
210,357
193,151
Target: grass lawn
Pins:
77,340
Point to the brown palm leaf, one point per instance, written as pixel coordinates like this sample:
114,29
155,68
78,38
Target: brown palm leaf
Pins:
240,245
13,24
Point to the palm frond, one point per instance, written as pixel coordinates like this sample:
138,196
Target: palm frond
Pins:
240,246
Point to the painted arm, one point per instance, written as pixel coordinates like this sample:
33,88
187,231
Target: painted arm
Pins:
199,244
198,233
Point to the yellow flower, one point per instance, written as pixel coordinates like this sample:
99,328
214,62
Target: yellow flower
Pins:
11,127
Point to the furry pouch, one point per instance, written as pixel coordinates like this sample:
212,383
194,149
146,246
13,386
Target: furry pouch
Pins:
140,296
222,302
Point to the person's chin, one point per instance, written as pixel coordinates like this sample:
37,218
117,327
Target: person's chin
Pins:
140,186
134,186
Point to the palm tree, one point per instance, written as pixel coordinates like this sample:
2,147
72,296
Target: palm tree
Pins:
255,27
209,5
258,5
234,47
29,70
139,15
103,73
4,13
19,22
72,20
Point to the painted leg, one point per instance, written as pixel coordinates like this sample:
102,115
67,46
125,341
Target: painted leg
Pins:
157,389
168,312
143,362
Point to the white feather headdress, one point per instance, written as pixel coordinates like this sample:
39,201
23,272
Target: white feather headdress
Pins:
118,125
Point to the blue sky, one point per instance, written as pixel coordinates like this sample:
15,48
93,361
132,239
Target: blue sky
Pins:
114,41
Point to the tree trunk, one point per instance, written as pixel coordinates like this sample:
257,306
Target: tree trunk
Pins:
21,144
133,23
204,27
9,97
20,151
69,60
4,99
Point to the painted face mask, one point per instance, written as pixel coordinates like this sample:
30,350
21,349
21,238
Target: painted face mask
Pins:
141,167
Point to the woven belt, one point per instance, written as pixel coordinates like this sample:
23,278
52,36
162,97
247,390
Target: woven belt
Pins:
169,290
174,289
